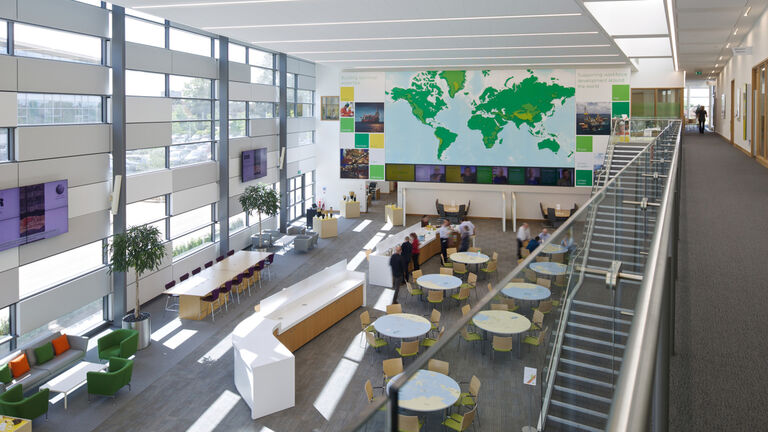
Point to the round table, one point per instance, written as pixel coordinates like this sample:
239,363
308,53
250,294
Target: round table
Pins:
427,391
402,326
553,249
501,322
439,282
549,268
470,258
526,291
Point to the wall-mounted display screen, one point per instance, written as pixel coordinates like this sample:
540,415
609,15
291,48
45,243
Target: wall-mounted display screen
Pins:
500,175
34,212
254,164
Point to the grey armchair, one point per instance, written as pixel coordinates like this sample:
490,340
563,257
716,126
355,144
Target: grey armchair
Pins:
302,243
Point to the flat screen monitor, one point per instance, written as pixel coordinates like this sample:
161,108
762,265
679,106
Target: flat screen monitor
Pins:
430,173
461,174
254,164
400,172
34,212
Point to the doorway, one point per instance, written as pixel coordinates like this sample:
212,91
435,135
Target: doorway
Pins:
759,138
733,98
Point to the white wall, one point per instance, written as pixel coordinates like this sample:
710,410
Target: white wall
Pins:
653,72
739,69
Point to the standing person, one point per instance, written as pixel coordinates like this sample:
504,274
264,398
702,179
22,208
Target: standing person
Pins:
701,116
415,251
464,238
472,229
544,235
523,235
406,251
424,221
396,262
444,232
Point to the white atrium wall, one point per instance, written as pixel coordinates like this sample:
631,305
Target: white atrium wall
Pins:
739,69
656,73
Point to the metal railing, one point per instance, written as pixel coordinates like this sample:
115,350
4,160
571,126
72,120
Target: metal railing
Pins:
632,387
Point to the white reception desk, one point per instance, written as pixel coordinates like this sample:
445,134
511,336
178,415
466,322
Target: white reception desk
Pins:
379,272
264,342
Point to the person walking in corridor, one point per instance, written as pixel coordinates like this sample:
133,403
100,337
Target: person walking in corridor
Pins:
701,117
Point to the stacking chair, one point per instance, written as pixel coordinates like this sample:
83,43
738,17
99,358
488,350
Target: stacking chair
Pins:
511,304
530,275
196,271
495,257
545,306
226,290
524,253
462,295
220,258
446,271
470,398
435,297
268,263
469,336
538,340
183,277
499,306
489,269
413,291
458,422
546,283
417,274
459,269
502,344
560,280
471,283
558,258
259,267
211,298
538,320
391,367
394,308
428,342
169,300
444,262
248,277
474,249
465,309
374,342
208,264
434,318
408,349
439,366
542,258
369,391
406,423
230,253
365,322
451,251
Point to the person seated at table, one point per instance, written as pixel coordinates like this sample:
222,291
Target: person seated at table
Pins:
523,235
406,251
544,235
464,230
396,262
424,221
533,244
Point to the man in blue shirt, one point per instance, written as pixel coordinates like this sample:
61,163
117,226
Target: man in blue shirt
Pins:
533,244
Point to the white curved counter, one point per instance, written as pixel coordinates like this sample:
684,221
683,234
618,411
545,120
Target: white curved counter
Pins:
263,343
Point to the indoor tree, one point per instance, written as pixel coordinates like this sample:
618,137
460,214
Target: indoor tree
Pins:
262,199
140,248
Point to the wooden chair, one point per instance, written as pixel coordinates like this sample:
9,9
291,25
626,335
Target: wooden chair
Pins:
471,398
545,306
474,249
413,291
538,340
495,257
434,318
458,422
499,306
439,366
546,283
395,308
451,251
560,280
465,309
365,321
538,320
435,297
558,258
542,258
513,280
530,275
511,304
471,283
524,252
444,262
369,391
428,342
374,342
446,271
469,336
406,423
459,269
391,367
408,349
502,344
462,295
490,269
416,274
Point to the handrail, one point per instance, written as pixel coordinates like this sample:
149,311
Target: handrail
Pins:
631,403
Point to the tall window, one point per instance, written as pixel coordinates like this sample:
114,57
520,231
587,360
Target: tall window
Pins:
188,154
144,32
193,120
304,103
39,109
3,37
261,109
309,190
295,198
5,145
144,160
262,76
151,211
261,58
144,84
236,223
75,322
191,230
41,42
236,53
189,42
47,272
237,119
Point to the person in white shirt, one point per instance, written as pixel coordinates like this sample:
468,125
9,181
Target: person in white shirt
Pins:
523,235
472,229
444,232
544,235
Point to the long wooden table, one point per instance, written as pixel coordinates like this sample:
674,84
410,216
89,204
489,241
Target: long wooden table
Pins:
200,285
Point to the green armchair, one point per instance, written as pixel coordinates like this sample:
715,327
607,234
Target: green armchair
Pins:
108,383
121,343
14,404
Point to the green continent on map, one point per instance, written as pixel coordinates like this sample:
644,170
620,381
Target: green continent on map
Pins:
455,81
424,96
444,138
524,103
550,144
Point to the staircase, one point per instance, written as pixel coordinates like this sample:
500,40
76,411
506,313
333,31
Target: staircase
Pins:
616,159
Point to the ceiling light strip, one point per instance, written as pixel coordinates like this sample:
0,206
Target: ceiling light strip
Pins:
465,58
449,49
426,37
396,21
672,31
491,65
204,4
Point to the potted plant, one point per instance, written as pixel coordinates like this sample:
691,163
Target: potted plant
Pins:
262,199
140,248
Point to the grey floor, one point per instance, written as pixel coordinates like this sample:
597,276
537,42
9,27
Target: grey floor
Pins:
718,378
184,381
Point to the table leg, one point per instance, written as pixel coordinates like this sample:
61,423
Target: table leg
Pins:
519,346
65,400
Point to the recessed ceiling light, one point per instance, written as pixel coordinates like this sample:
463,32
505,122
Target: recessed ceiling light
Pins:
720,58
672,32
203,4
490,65
396,21
466,58
735,31
449,49
746,13
425,37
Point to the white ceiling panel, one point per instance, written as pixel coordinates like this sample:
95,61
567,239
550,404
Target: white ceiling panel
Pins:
630,17
645,47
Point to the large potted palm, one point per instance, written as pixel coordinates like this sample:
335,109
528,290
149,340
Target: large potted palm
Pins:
140,248
262,199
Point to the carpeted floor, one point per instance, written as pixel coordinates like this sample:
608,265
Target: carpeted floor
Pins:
718,378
